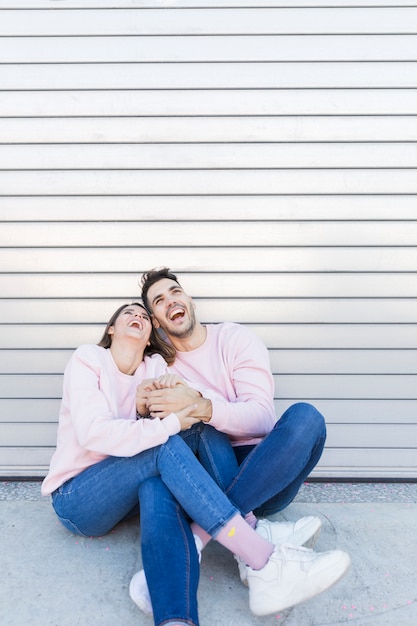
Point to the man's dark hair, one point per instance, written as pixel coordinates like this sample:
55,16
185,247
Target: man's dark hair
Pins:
151,277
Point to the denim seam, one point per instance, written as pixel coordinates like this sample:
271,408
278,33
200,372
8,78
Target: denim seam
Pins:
222,520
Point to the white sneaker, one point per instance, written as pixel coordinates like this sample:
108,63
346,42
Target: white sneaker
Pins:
304,532
139,592
138,587
293,575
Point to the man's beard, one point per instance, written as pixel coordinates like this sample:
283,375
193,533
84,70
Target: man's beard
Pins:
183,333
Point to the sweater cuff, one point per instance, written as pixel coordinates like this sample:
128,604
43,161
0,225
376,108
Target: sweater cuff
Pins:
171,423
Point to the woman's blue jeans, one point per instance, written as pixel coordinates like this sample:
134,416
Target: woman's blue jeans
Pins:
269,477
93,502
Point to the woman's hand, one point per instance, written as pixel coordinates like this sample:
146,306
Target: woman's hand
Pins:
168,381
184,417
143,392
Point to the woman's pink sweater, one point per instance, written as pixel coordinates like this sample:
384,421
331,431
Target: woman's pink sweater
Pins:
98,414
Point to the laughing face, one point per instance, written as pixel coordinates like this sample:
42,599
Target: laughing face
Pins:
172,309
132,321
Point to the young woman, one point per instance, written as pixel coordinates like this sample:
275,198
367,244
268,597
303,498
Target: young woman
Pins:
107,448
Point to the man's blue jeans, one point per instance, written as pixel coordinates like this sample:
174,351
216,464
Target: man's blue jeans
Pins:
268,479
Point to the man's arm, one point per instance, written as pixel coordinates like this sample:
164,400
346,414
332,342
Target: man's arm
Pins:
235,384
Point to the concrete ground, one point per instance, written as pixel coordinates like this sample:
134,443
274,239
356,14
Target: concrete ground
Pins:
53,578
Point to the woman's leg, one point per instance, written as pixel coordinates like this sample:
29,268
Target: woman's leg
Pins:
169,557
169,552
94,501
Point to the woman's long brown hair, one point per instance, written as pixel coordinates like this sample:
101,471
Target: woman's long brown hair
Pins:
157,344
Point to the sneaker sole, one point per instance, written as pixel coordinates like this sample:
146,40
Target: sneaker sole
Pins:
329,577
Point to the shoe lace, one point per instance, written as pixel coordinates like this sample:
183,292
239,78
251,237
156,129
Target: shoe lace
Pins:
287,548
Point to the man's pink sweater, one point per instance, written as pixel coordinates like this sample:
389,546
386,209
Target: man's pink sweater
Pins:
233,369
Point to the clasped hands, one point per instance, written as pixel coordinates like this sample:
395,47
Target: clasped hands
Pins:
170,394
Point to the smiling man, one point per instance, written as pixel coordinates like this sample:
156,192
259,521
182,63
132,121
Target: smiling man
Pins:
230,366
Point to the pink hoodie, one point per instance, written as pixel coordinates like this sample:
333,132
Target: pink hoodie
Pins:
98,414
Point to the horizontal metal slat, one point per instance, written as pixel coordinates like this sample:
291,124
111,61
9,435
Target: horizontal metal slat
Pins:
211,258
242,310
196,102
335,155
370,436
282,48
47,336
209,182
28,435
197,22
30,461
347,75
33,361
31,386
280,336
238,208
335,463
144,130
313,361
335,411
320,386
217,285
253,234
343,362
193,4
362,411
29,410
337,336
367,462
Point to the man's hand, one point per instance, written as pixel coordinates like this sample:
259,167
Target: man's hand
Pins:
162,402
143,390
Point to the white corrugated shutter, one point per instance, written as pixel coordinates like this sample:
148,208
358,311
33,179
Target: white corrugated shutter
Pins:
267,154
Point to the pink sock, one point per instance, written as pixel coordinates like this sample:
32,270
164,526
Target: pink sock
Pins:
251,519
241,539
197,530
205,537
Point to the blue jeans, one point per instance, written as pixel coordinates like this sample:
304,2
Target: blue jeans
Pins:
269,477
93,502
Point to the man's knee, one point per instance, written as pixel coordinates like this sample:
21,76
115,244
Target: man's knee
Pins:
305,415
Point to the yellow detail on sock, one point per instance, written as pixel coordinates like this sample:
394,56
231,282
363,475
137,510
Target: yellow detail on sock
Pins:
231,532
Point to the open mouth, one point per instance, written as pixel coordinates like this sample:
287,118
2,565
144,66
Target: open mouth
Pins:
135,324
176,314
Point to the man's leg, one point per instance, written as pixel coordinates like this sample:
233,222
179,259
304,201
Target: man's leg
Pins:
214,451
272,473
